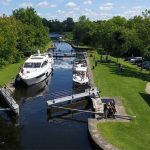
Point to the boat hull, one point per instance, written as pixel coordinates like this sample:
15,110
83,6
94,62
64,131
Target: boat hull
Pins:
80,84
37,79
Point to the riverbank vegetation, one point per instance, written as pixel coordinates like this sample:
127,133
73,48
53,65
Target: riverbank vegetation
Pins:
21,34
117,36
129,85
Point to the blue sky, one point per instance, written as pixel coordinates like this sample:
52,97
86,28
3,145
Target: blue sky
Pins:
93,9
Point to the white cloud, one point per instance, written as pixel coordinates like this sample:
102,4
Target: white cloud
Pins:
106,6
5,2
61,15
45,4
60,11
88,10
26,4
133,11
87,2
76,8
71,4
105,16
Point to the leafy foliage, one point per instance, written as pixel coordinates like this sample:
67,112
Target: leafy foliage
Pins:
21,33
57,26
118,35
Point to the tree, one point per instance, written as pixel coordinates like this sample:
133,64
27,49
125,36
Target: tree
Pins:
68,24
147,52
33,35
28,16
9,36
146,13
119,40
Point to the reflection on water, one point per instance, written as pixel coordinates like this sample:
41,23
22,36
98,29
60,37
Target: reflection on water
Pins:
23,92
37,130
62,46
64,63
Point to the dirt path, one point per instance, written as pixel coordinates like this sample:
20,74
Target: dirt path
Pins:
147,89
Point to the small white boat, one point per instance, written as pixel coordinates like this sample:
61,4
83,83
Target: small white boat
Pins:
81,78
80,75
36,68
80,67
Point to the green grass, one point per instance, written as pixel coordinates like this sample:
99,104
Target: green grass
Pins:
9,72
129,85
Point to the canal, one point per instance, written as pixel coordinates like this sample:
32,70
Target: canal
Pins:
35,129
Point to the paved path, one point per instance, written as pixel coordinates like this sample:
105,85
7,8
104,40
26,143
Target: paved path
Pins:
97,137
147,89
92,83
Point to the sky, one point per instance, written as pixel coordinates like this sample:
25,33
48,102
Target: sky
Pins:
93,9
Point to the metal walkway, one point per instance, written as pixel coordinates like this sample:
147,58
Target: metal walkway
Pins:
93,92
78,110
64,54
6,93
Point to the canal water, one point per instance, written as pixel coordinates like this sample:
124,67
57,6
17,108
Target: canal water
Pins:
34,128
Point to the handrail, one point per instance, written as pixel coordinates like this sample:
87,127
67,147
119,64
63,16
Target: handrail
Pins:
10,91
8,96
66,93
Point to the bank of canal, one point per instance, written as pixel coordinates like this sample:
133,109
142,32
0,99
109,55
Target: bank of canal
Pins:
36,129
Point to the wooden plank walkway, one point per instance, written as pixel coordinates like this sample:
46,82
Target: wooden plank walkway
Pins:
9,100
88,92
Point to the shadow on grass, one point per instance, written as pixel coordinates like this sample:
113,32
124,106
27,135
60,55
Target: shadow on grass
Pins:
146,97
127,71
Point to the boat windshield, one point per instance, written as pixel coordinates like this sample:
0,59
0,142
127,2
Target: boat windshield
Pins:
32,65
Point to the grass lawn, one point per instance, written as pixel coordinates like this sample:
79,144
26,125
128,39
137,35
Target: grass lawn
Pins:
9,72
129,85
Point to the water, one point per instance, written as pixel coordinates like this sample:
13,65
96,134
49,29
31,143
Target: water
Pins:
36,130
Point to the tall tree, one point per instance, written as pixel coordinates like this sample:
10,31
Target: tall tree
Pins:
119,40
33,35
68,24
9,36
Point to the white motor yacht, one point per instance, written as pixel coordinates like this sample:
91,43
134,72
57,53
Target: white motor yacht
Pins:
36,68
80,75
